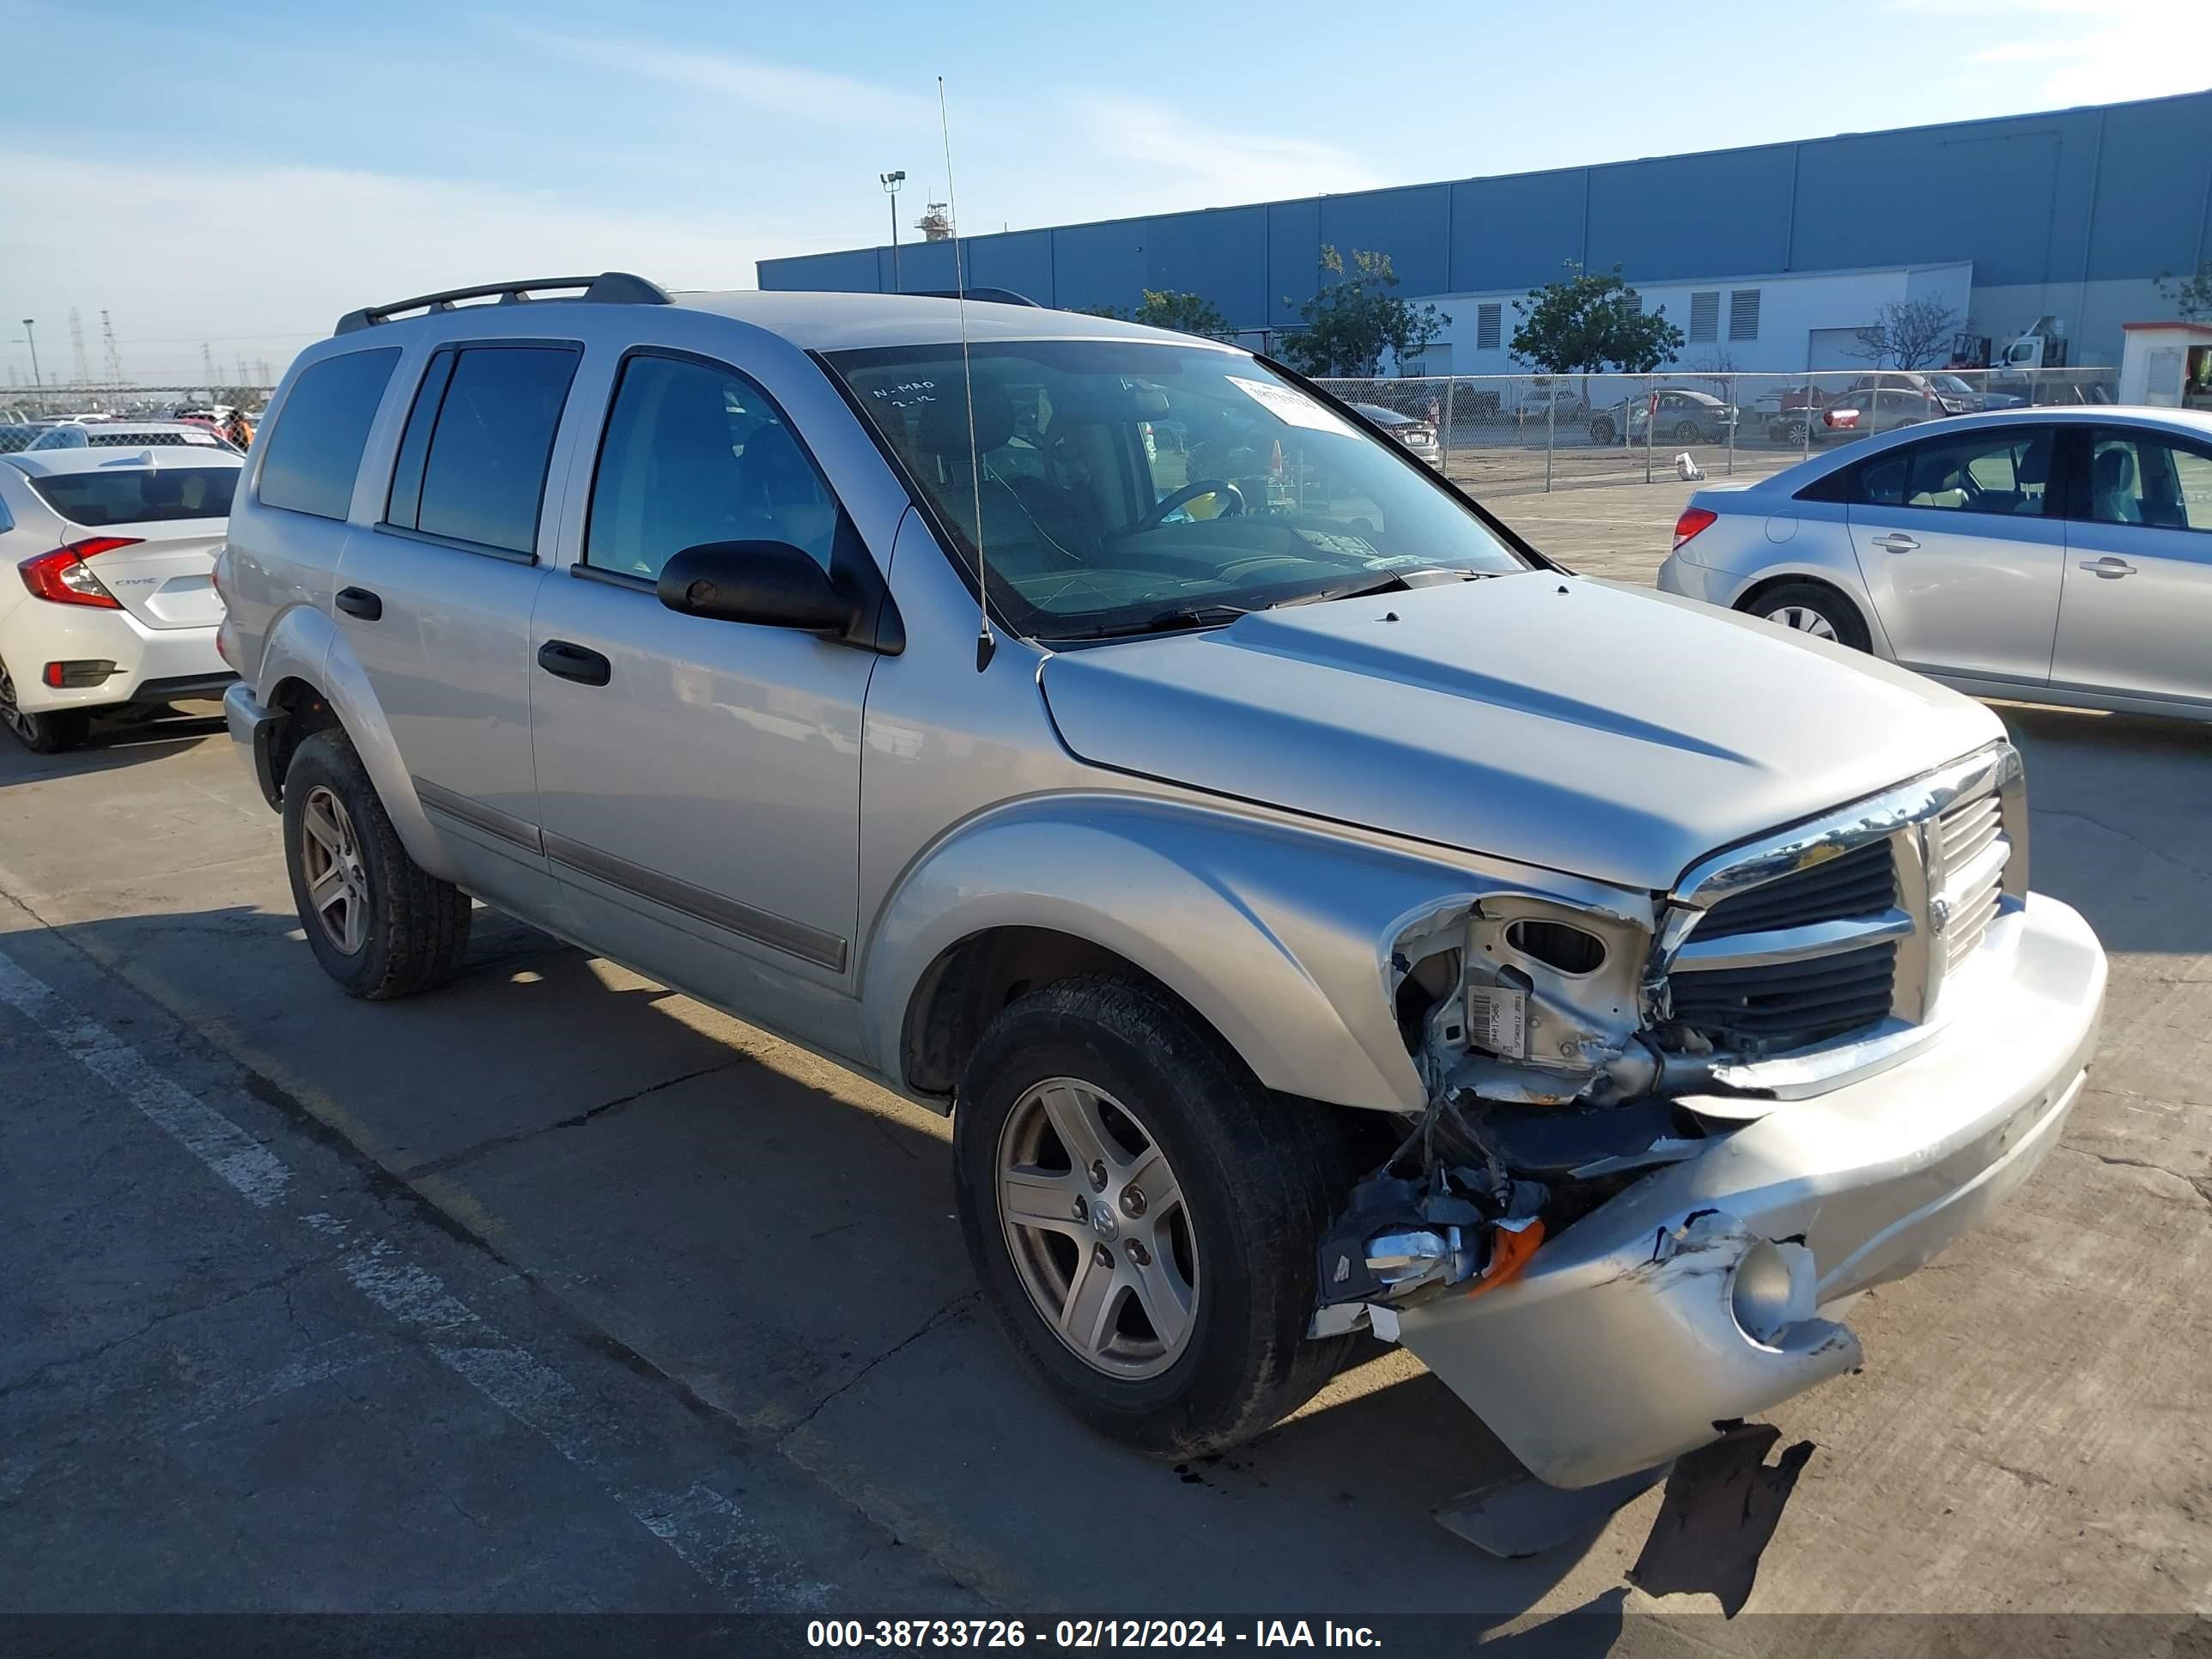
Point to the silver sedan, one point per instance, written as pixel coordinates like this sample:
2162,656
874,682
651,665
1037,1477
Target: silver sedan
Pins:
2044,554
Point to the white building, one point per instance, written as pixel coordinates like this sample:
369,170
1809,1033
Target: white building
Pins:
1784,323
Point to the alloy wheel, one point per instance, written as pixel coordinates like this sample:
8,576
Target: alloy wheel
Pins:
337,880
1804,619
1098,1229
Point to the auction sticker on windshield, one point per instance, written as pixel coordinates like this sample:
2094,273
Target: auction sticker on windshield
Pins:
1293,408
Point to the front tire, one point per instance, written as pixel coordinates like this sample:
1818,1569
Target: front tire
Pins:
1603,430
1143,1216
381,925
1814,609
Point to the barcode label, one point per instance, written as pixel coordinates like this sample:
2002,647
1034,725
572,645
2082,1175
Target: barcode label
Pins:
1497,1019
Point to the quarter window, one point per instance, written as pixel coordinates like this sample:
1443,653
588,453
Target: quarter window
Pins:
473,460
693,454
2134,478
314,450
2005,472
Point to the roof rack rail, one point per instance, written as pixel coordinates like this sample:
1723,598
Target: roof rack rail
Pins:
616,288
997,296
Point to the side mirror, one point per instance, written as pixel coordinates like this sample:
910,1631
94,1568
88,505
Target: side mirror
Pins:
770,584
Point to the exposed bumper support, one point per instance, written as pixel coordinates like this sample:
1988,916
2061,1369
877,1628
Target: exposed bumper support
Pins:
255,729
1621,1346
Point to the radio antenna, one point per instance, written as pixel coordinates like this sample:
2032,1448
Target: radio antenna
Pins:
986,642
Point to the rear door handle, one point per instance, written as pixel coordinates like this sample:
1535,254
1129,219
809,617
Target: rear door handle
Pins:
359,601
2111,569
1896,542
574,662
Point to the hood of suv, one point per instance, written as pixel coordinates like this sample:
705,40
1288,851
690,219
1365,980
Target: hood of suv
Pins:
1614,733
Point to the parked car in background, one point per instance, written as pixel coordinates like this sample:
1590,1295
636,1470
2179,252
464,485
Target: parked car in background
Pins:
110,598
1417,434
1559,402
18,434
1961,396
2046,555
1869,409
127,434
1683,416
1319,914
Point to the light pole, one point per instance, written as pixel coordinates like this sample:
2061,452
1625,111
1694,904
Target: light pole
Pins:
891,183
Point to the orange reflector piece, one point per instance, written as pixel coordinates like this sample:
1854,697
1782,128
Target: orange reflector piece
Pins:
1509,1256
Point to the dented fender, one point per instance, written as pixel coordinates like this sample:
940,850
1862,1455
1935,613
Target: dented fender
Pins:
1280,936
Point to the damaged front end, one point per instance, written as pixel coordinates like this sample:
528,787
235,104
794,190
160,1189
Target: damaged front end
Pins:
1533,1026
1730,1075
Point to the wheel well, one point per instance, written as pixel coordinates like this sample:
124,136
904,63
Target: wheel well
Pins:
306,712
961,992
1759,590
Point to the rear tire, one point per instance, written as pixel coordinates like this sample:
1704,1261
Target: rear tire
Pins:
1686,432
1250,1181
1603,430
381,925
1814,608
43,731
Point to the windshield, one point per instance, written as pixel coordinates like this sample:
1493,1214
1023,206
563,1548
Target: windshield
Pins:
1124,483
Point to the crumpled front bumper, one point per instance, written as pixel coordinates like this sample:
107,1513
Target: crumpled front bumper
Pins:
1620,1346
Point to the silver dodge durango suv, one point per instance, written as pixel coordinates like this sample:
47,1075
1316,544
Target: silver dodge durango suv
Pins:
1320,912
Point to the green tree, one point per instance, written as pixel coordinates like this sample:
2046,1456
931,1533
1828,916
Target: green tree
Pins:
2190,295
1589,322
1185,312
1355,319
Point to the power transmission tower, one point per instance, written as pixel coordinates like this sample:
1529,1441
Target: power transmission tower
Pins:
207,367
79,365
113,365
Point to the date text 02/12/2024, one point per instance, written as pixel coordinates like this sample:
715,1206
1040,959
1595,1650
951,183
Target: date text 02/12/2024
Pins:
1085,1633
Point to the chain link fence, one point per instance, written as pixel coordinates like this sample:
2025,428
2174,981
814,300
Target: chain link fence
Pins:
26,412
1509,434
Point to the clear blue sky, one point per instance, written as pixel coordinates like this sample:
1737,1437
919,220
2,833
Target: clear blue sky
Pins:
241,172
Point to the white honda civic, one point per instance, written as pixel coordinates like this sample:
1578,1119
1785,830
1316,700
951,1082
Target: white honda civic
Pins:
113,601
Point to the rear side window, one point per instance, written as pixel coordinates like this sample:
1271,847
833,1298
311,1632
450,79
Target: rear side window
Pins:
314,450
473,464
140,494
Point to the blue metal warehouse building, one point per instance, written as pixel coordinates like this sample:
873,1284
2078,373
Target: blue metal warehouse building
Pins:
1770,257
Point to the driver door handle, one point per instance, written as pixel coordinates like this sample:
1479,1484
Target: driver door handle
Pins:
574,662
1896,542
359,602
2109,567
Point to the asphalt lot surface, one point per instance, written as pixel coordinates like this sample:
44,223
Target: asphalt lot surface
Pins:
559,1291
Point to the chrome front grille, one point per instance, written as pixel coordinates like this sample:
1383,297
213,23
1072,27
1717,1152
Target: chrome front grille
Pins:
1775,1006
1860,882
1851,926
1969,840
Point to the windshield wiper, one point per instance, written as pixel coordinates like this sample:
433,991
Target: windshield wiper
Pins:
1398,581
1189,616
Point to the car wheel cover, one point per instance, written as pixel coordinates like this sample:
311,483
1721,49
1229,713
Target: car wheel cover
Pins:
336,879
1098,1229
1804,619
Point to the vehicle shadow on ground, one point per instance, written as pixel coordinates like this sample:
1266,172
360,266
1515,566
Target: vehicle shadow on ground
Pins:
777,1238
115,741
2118,807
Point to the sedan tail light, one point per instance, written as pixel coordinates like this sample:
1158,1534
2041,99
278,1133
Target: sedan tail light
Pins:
1693,520
63,577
